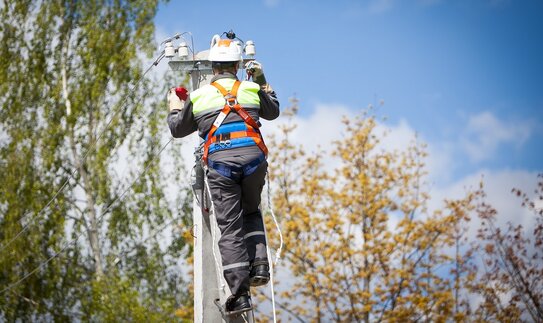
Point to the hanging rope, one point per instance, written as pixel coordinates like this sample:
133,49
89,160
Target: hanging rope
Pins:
270,208
277,253
272,289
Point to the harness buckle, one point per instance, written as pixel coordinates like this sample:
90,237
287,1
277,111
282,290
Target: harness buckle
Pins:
231,100
223,144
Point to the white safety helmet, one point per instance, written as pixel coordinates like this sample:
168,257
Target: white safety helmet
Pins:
224,50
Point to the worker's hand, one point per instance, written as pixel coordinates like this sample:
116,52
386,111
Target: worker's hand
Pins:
254,68
174,103
266,88
182,93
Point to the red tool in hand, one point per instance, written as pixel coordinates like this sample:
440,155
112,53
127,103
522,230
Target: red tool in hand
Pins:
181,93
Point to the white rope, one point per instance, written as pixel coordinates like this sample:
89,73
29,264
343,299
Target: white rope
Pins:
278,252
270,208
272,290
220,278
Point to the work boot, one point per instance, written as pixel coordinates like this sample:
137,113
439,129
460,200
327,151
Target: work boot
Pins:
238,304
260,273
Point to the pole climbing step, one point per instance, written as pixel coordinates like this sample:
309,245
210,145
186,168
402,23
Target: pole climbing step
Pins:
234,314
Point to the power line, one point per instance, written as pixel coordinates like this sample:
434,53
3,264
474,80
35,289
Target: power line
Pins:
75,170
123,253
120,197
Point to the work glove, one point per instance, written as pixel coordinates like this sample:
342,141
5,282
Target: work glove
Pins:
176,96
266,88
255,69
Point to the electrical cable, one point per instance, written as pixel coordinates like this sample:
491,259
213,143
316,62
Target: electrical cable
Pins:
72,174
74,240
151,235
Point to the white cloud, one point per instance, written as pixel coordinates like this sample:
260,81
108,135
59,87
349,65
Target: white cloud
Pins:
398,137
315,132
497,185
440,159
322,127
484,133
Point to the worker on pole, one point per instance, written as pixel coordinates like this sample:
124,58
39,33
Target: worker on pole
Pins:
226,115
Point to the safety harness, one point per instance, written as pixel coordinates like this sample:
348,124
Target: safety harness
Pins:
231,104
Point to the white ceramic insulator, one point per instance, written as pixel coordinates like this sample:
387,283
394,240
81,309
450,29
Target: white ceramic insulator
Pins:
169,51
183,50
250,48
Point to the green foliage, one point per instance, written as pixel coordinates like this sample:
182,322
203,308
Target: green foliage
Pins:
76,110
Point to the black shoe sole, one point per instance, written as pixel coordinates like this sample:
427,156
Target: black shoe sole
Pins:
259,280
225,313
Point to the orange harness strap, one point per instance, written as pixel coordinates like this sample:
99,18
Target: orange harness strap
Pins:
231,102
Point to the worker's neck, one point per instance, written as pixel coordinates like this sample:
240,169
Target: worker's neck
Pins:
226,72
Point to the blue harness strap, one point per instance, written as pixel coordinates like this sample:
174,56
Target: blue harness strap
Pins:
223,140
236,173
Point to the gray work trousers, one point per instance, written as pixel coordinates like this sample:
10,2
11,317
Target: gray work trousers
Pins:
236,203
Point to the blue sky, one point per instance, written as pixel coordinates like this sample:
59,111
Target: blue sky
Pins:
466,76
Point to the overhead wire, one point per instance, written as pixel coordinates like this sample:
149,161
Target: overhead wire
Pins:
74,240
75,170
151,235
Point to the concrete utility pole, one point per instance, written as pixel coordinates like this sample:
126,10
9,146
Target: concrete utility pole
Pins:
209,283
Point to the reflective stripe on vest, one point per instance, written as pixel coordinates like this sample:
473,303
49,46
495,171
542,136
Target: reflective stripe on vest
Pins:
232,104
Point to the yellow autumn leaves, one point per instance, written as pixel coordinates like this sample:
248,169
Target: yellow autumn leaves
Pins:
360,242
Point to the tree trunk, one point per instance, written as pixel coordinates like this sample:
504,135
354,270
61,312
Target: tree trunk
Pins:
92,227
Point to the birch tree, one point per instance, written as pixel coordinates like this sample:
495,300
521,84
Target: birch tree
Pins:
82,177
